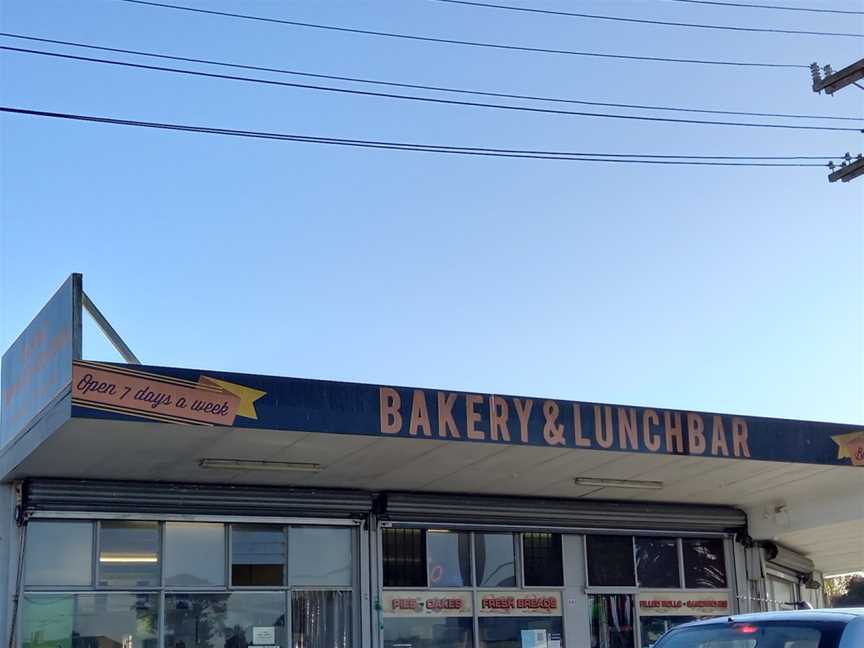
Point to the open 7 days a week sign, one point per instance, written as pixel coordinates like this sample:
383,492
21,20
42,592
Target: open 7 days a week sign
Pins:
683,603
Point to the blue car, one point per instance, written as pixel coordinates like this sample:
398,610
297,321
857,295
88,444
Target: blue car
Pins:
840,628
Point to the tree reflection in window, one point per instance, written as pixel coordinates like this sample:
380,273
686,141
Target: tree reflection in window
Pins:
221,620
704,563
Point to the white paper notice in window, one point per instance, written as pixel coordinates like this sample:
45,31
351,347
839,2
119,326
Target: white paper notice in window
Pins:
263,635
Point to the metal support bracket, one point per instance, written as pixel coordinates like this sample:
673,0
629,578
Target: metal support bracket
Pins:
108,330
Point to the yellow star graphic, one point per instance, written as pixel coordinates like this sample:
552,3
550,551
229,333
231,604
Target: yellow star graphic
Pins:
842,440
247,395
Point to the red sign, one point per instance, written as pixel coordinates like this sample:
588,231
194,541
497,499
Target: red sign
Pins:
519,603
683,603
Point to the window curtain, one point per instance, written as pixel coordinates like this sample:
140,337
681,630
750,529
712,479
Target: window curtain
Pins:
322,619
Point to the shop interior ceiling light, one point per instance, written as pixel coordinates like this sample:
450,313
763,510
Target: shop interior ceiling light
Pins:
245,464
618,483
128,558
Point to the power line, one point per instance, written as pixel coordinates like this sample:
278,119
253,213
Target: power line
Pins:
453,41
435,100
750,5
645,21
742,161
418,86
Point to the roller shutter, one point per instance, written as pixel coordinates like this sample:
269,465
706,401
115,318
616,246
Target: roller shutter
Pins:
785,558
558,513
159,498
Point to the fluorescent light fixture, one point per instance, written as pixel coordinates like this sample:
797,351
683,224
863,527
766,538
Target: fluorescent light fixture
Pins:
245,464
601,482
128,558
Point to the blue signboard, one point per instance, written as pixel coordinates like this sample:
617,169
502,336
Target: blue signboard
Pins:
192,397
38,366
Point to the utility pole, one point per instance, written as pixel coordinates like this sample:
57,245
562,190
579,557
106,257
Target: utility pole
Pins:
826,80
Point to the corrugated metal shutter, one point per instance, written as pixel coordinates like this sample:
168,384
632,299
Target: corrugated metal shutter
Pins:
69,495
786,558
555,513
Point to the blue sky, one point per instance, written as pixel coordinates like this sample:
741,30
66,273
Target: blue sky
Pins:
736,290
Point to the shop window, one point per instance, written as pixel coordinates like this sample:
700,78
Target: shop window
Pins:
89,620
321,619
704,563
194,554
320,556
653,627
404,557
782,593
657,562
610,561
524,632
542,560
128,554
59,554
494,559
257,555
419,632
227,619
611,618
449,558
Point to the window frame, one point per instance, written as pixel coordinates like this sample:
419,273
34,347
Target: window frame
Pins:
62,589
520,582
474,589
97,551
679,538
230,557
359,535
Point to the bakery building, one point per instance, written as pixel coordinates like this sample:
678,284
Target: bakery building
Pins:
151,507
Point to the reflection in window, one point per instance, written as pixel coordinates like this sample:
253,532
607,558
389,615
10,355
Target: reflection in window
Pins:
194,554
449,558
89,621
522,632
542,561
704,564
494,560
59,553
321,556
128,554
404,557
611,621
257,555
435,632
321,619
223,620
654,627
657,562
610,561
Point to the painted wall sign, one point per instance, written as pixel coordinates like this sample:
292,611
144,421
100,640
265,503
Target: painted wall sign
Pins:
427,603
509,603
302,405
683,603
38,366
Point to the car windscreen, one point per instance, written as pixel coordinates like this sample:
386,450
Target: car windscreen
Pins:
769,634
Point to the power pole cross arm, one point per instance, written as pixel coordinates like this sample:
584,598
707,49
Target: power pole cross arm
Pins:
847,171
829,81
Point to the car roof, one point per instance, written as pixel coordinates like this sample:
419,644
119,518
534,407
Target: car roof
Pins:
836,614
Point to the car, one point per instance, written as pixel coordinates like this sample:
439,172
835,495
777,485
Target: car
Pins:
836,628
